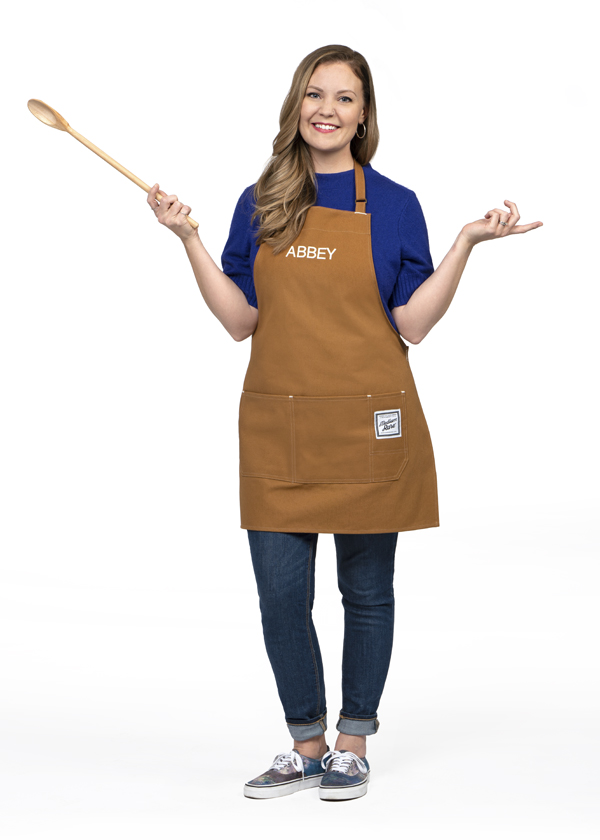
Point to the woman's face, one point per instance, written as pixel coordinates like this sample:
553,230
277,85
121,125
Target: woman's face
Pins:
332,108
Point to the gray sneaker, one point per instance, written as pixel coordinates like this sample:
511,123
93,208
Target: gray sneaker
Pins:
347,775
289,773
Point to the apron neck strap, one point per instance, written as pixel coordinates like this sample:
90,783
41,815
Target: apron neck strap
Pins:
359,183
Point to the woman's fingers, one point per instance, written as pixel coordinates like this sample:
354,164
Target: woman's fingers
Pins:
525,228
493,217
169,210
501,221
152,200
177,210
512,218
174,207
168,201
165,201
514,227
490,226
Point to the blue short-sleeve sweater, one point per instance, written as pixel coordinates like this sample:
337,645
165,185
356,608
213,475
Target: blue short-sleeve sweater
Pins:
399,237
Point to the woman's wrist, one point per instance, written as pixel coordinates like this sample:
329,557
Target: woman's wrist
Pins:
189,241
463,243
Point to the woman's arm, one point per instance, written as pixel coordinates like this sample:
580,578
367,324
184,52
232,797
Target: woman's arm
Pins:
223,297
432,298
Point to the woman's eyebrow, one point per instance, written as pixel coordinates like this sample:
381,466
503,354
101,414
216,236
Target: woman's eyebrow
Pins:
346,90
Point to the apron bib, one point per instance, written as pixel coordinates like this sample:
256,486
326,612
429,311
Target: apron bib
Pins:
332,435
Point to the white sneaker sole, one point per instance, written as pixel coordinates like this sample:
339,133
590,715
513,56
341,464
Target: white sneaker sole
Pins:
344,791
283,789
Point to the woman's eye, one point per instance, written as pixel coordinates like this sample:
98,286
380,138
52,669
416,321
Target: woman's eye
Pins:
345,98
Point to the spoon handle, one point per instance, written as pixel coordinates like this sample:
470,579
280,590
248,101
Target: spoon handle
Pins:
120,168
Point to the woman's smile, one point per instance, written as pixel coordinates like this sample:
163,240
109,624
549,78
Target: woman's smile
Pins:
325,128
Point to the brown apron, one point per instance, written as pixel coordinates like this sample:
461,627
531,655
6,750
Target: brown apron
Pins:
332,435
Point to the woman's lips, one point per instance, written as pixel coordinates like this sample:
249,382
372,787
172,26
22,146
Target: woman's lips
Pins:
325,130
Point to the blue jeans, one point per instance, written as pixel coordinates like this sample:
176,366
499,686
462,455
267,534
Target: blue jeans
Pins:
284,566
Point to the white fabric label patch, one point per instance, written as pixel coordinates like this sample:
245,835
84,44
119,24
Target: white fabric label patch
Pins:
388,423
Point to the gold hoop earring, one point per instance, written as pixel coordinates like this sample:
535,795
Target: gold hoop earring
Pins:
363,135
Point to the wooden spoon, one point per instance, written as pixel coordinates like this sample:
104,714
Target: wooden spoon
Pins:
50,117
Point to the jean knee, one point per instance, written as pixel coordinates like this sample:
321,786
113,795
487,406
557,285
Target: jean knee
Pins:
284,569
363,595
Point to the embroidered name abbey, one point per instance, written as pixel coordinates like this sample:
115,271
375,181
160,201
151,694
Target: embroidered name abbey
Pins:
309,252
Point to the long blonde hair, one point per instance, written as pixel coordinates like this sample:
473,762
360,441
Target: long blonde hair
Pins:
287,187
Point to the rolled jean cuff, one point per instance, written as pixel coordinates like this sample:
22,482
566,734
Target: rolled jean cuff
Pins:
304,731
357,726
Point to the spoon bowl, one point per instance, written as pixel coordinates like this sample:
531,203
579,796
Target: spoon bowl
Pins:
47,115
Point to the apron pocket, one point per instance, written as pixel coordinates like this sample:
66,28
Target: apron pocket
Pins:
336,440
388,431
331,439
265,432
323,440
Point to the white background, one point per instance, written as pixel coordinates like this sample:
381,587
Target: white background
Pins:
137,697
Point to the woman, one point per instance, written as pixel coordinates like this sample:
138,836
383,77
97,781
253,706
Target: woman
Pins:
333,439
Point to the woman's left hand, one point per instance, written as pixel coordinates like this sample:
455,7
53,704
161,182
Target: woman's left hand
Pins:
490,226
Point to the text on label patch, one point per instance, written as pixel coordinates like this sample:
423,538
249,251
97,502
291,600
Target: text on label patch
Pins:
388,423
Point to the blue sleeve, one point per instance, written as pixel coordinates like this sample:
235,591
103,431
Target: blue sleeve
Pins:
236,259
416,264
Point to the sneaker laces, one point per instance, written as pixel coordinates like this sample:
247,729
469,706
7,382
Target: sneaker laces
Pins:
340,761
284,759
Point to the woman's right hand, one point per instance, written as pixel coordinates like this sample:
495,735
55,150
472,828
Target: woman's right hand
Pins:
172,213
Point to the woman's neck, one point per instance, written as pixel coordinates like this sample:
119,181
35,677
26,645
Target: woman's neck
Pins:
330,162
